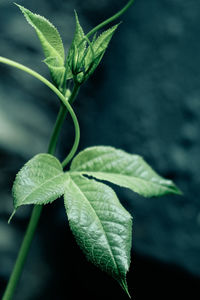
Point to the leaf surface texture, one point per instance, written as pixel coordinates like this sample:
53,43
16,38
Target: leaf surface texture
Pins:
51,43
124,169
40,181
101,225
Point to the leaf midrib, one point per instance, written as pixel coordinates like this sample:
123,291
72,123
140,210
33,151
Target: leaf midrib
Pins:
38,187
58,54
109,248
31,22
124,175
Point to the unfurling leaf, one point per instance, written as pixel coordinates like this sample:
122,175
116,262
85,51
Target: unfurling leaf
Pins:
102,227
50,40
99,46
123,169
82,61
76,52
41,180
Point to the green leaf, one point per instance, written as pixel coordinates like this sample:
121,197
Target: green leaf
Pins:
77,49
102,227
57,73
99,46
50,40
40,181
121,168
79,40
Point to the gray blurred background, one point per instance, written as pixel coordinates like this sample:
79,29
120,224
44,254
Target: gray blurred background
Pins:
145,99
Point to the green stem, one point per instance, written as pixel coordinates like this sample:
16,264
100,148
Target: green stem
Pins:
60,119
77,130
111,19
24,249
17,270
62,98
56,129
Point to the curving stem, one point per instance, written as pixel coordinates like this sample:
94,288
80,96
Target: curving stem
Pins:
111,19
37,210
60,95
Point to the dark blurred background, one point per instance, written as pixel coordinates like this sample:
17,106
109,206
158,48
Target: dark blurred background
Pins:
145,99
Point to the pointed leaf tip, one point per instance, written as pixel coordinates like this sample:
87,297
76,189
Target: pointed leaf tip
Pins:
124,286
50,40
102,227
40,181
12,215
124,169
77,49
98,46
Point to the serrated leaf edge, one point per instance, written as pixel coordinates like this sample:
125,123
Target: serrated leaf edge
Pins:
98,220
165,183
37,188
170,189
23,9
58,168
